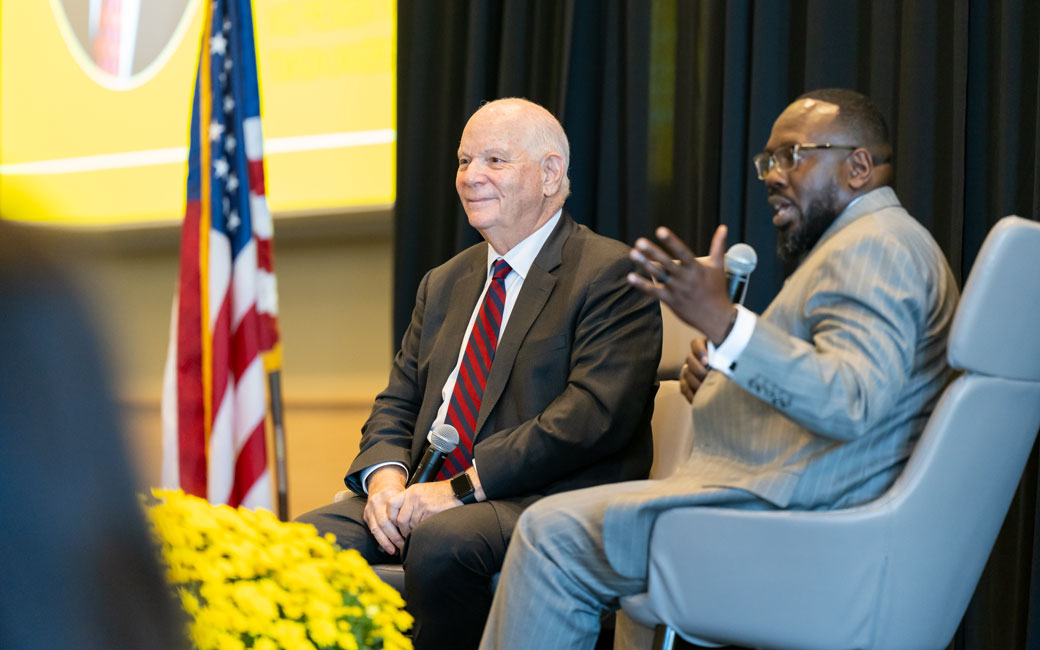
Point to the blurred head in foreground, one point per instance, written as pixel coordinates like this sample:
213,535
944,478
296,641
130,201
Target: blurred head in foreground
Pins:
77,568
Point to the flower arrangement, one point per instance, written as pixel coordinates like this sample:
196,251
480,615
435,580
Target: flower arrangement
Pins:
248,580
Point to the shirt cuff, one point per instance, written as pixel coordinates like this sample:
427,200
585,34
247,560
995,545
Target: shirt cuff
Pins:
365,473
724,357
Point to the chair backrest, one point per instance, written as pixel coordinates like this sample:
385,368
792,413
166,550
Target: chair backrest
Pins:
672,423
672,427
948,505
675,344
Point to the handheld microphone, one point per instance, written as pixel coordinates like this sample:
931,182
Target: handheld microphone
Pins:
443,440
741,260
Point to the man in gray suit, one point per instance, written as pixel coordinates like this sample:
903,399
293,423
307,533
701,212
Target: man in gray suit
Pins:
814,404
535,348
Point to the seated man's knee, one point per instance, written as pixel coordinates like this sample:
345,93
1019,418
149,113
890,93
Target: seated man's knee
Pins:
443,545
319,518
342,520
544,517
314,518
529,524
556,523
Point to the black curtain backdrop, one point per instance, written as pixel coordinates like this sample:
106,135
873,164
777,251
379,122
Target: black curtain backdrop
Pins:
665,102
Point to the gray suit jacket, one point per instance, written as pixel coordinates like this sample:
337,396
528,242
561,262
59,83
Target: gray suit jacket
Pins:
831,393
570,394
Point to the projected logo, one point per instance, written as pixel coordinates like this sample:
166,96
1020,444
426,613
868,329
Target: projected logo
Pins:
121,44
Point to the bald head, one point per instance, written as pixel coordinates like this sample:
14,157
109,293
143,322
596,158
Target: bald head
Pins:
544,132
512,175
854,115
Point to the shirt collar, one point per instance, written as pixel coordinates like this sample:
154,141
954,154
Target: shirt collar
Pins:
853,202
521,257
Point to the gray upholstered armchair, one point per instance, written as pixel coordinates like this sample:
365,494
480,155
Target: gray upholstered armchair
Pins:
897,572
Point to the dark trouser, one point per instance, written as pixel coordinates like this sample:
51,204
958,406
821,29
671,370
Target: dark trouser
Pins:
448,562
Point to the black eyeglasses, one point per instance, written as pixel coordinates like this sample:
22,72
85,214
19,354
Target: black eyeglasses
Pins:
787,157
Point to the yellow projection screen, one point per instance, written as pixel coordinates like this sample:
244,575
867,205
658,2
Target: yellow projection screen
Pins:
98,136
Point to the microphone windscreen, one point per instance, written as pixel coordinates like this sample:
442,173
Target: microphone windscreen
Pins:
444,438
741,259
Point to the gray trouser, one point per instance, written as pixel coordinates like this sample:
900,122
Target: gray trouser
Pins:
556,580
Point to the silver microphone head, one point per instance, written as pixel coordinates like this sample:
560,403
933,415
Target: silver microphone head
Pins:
741,259
443,438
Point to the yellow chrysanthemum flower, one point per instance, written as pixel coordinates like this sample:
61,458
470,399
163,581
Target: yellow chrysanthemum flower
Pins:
248,580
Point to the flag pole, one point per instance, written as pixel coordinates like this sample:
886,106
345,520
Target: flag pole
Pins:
274,383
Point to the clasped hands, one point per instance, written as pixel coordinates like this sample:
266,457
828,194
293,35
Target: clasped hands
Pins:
393,511
693,288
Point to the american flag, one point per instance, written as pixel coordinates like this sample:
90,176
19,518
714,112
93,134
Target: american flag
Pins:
224,326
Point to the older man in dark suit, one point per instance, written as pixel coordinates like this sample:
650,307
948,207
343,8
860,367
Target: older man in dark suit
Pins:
535,348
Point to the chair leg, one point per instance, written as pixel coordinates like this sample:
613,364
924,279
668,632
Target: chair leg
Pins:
664,637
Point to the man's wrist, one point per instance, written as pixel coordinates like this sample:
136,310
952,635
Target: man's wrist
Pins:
478,488
723,332
389,475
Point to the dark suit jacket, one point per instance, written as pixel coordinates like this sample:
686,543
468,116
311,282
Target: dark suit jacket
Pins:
570,394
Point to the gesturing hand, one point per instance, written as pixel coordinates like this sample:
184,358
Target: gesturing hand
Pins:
695,289
384,484
407,509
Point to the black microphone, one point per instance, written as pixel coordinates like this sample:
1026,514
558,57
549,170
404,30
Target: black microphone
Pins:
741,260
443,440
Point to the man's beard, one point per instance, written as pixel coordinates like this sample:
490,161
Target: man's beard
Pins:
794,242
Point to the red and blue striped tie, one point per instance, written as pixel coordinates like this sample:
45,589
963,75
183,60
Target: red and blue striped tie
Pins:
473,372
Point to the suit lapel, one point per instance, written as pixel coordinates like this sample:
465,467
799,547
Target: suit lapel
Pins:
461,301
534,293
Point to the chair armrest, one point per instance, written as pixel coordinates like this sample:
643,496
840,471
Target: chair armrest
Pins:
675,344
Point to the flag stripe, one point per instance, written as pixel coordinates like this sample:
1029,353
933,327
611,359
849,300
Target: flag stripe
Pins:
256,177
222,448
264,254
268,332
245,348
249,402
221,351
244,281
251,463
191,436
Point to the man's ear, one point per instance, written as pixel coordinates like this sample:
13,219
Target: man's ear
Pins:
860,166
552,173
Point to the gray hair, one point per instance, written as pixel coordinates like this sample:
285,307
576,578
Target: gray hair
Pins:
545,132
